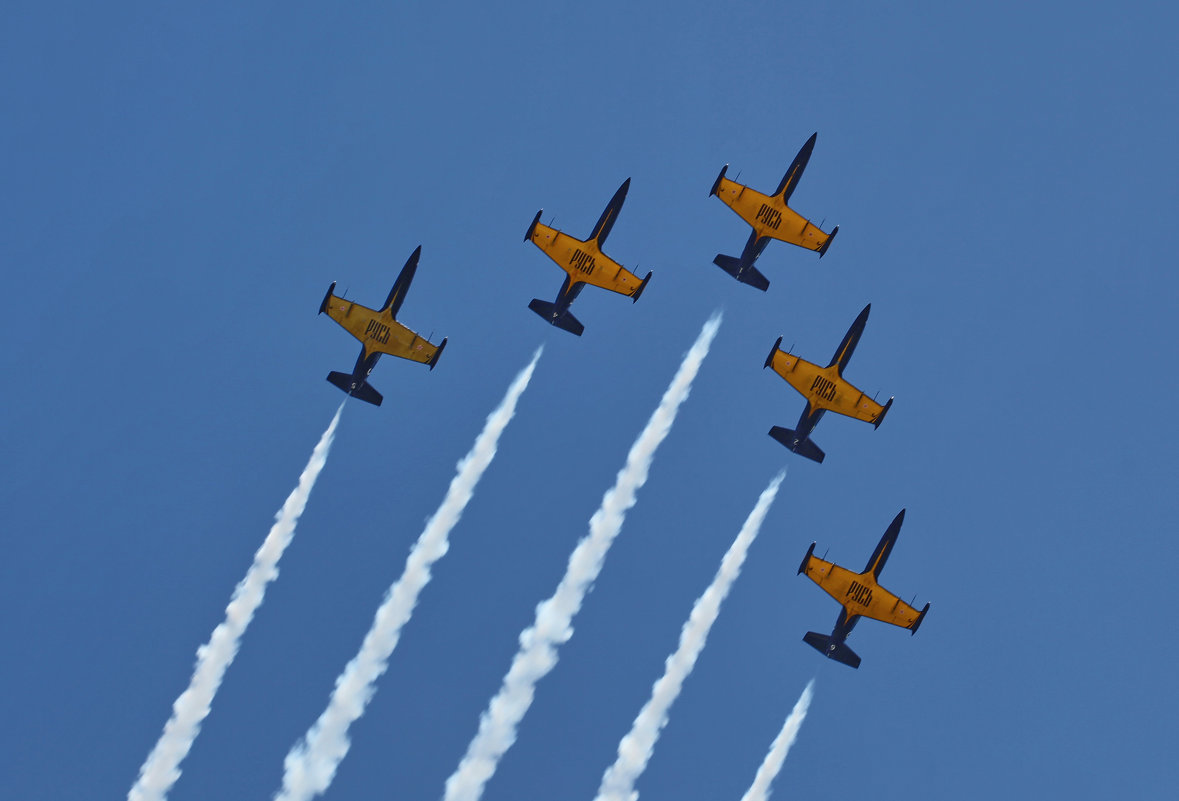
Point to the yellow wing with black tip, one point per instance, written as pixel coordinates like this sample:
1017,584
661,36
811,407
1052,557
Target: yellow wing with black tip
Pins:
824,387
583,259
378,331
859,593
585,262
771,217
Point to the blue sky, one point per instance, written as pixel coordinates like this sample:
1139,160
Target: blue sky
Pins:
181,185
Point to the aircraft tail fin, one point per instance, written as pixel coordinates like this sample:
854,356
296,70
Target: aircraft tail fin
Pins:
563,320
746,274
803,446
837,651
363,391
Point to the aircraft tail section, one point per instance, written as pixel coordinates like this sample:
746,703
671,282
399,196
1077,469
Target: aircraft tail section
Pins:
837,651
562,319
803,446
746,274
363,391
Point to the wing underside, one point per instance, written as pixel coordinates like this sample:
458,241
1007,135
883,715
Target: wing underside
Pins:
860,594
824,388
770,216
379,332
585,262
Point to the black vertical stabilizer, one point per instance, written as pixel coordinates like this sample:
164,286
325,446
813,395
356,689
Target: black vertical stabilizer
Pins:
884,547
401,285
847,347
790,179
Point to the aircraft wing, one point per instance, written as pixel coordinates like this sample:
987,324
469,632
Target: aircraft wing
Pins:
770,216
859,593
888,608
831,578
824,388
852,402
609,274
378,332
585,262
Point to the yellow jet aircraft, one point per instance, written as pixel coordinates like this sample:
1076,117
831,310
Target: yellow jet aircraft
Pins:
861,596
824,389
585,263
770,218
379,333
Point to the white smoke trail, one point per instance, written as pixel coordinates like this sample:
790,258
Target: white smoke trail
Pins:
635,749
311,764
162,768
538,644
760,789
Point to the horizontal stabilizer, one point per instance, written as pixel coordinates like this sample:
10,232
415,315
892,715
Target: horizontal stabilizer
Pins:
837,651
363,391
563,320
745,274
804,446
